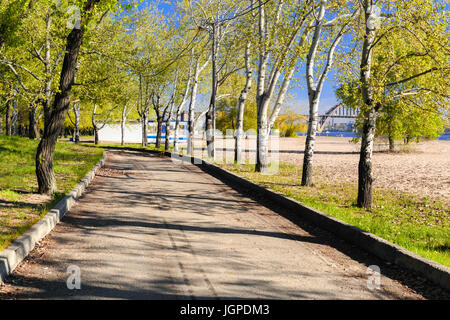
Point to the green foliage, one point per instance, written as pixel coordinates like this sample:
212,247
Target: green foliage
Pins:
398,119
227,112
410,69
290,123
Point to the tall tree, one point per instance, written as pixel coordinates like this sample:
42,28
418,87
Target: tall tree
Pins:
46,148
404,69
332,38
280,45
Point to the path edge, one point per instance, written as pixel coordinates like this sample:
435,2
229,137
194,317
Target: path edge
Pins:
12,255
383,249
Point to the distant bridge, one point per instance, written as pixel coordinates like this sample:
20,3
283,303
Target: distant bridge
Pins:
338,111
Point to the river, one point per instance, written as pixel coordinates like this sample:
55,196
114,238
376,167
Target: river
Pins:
349,134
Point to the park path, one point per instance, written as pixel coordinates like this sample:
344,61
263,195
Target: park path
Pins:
147,228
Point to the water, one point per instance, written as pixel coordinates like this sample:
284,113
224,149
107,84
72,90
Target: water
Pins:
349,134
346,134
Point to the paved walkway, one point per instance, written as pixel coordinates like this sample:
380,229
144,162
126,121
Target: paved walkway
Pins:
149,229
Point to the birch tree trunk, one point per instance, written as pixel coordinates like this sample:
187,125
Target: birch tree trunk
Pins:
365,160
122,126
315,89
181,107
168,133
262,147
175,134
262,97
211,114
241,107
313,98
193,100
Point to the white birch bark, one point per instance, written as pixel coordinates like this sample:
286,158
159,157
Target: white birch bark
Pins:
315,88
365,160
241,106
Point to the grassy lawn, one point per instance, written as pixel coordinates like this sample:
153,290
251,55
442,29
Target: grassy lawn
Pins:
20,206
418,224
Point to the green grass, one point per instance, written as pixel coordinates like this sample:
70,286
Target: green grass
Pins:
20,206
418,224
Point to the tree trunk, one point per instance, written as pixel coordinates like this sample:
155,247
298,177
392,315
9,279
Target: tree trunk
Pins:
95,135
210,134
144,129
191,115
175,136
46,108
94,125
167,137
159,124
391,144
239,135
262,148
365,161
190,142
8,119
211,114
32,127
309,148
241,107
314,92
46,148
122,127
193,100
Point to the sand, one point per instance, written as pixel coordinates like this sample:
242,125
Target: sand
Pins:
421,168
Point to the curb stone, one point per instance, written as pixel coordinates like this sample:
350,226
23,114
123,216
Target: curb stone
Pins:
19,248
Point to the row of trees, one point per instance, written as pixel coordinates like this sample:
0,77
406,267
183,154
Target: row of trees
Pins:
61,61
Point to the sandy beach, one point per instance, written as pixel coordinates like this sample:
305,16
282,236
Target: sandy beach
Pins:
422,168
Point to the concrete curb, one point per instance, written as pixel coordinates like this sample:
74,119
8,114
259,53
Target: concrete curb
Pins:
19,248
383,249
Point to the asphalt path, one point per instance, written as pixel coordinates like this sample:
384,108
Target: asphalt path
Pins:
148,228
